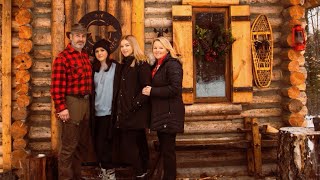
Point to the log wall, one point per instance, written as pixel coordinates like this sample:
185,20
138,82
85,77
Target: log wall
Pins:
266,105
39,122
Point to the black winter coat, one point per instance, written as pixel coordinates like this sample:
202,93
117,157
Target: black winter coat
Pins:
133,108
167,114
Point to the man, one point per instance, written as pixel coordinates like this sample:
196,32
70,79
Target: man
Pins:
71,84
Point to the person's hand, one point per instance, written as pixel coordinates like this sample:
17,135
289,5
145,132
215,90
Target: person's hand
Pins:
146,90
64,115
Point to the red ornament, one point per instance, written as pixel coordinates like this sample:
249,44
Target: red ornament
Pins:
298,37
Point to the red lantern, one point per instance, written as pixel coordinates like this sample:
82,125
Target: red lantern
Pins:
298,37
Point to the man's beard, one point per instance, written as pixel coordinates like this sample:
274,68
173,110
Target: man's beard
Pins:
78,46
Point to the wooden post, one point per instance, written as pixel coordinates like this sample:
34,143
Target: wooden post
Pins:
92,5
113,9
250,156
297,153
138,21
69,19
125,18
6,83
256,142
79,10
57,46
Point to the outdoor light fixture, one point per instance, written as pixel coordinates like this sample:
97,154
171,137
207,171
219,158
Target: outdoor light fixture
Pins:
298,37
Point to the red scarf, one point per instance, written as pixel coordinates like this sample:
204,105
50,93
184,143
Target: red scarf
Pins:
159,62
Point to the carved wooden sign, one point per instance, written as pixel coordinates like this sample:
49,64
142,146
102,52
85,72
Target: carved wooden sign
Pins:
108,26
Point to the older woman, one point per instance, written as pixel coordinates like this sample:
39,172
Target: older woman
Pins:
167,114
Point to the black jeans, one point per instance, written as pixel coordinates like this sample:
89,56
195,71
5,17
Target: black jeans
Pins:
103,141
168,154
132,149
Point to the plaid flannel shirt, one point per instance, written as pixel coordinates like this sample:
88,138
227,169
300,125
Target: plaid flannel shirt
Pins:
71,75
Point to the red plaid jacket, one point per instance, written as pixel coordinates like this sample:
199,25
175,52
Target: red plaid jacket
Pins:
71,75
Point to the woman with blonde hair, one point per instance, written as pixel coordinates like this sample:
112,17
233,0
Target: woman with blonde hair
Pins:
167,112
133,108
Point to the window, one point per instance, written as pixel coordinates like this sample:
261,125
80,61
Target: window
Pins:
211,74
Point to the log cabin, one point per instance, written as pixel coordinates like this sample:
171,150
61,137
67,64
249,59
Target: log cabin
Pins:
230,124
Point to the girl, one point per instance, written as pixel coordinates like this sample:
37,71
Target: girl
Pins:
106,75
133,108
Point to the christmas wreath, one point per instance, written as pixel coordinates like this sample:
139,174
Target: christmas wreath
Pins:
213,43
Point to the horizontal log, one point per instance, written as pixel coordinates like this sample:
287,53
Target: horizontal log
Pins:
25,45
291,54
19,144
289,24
42,10
311,3
272,112
212,109
42,54
294,78
302,87
211,118
19,114
227,126
290,66
40,107
276,61
149,36
18,158
41,22
22,76
23,16
205,158
294,120
41,66
224,171
23,100
266,99
304,71
292,105
43,2
157,22
276,75
15,26
303,97
286,40
294,12
23,3
288,3
42,38
40,146
40,93
292,92
162,1
15,40
18,129
22,61
210,2
158,10
36,81
267,10
16,51
39,132
25,32
40,118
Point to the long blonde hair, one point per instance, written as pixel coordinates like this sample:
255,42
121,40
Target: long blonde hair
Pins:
137,52
166,44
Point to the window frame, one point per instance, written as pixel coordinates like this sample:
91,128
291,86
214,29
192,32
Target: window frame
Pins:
228,86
